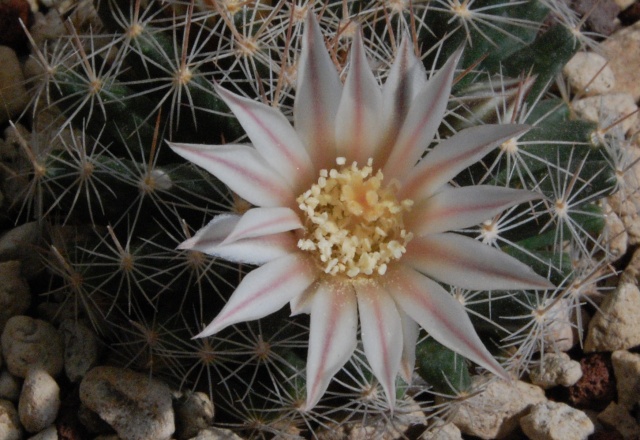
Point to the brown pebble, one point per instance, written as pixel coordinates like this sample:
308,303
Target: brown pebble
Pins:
597,386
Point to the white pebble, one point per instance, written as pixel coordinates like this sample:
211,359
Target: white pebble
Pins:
9,422
39,401
589,74
51,433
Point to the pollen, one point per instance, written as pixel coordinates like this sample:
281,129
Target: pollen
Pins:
353,222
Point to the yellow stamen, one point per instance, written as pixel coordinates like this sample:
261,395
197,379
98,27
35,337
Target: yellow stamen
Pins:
354,224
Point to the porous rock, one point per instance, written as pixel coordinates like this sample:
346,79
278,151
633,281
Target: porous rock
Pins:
9,422
589,74
507,401
626,368
134,405
556,369
596,387
31,343
39,401
556,421
616,325
80,349
15,296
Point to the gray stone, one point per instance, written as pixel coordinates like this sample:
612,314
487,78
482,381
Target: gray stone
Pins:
31,343
13,94
18,244
80,349
15,296
39,401
194,412
617,417
9,386
136,406
616,326
9,422
556,421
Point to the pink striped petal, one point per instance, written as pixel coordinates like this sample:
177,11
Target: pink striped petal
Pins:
464,262
264,291
453,155
332,336
440,315
458,208
257,222
274,138
358,117
423,119
406,77
257,250
381,329
317,97
410,332
242,169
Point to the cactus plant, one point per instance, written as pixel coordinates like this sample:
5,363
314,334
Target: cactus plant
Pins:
155,73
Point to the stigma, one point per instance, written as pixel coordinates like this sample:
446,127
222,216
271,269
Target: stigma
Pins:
354,223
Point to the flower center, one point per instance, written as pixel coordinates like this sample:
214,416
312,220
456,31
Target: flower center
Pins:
354,224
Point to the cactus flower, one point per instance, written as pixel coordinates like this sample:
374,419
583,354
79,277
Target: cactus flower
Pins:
350,223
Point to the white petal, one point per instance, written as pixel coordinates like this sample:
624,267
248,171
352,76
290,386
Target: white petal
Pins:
406,77
257,222
422,122
332,336
464,262
358,117
317,97
410,332
381,330
273,136
254,250
458,208
242,169
440,315
453,155
264,291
